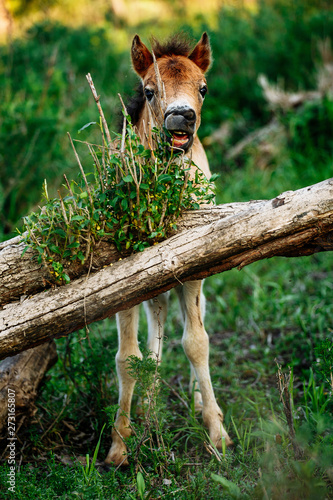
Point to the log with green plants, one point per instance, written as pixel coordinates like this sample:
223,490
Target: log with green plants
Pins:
133,199
294,223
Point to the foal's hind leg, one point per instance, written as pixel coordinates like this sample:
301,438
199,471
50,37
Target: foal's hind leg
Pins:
127,323
196,347
156,311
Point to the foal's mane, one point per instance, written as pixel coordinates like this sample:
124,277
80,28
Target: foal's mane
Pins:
176,45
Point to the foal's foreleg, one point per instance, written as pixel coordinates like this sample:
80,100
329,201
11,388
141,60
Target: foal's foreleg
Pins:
127,323
196,347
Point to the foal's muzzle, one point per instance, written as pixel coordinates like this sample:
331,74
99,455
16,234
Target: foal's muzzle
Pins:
180,122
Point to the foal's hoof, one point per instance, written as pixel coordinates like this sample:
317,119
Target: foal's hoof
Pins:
228,441
218,441
117,456
117,461
198,406
217,434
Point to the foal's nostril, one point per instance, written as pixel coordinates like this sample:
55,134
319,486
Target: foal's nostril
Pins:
189,114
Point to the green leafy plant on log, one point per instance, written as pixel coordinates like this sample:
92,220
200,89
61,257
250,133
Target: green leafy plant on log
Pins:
132,198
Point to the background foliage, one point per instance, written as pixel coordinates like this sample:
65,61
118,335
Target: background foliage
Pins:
274,309
44,94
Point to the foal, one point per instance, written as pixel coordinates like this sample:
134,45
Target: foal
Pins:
182,73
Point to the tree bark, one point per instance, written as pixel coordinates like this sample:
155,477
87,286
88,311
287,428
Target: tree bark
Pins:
20,378
293,224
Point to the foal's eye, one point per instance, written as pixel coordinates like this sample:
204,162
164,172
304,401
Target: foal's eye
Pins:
149,93
203,91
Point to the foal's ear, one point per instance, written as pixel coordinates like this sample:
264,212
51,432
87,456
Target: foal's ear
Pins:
141,57
201,55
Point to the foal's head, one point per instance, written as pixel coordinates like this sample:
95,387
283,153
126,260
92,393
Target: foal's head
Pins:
182,73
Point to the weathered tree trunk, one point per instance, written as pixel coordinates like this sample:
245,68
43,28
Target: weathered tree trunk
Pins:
21,276
294,223
20,378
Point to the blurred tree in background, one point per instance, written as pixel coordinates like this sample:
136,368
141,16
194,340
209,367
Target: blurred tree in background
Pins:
48,47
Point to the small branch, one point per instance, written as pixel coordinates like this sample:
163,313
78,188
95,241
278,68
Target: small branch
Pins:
123,138
123,106
100,110
284,383
82,171
164,208
98,166
63,209
70,191
160,87
175,393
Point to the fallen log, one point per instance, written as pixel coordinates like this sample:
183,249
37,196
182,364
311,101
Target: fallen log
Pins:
293,224
21,275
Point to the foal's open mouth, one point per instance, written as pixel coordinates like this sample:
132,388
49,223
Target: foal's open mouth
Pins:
180,139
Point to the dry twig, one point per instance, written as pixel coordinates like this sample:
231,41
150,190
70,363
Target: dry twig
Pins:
96,97
287,402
